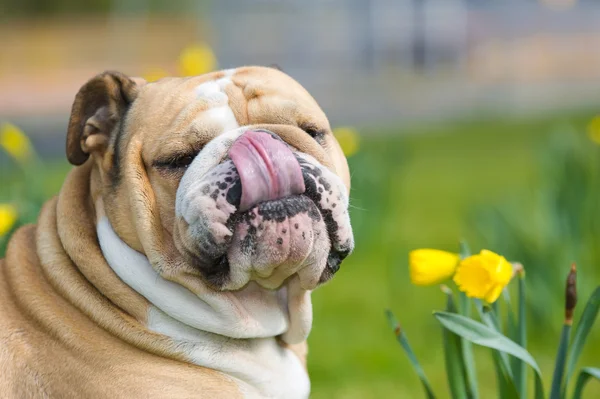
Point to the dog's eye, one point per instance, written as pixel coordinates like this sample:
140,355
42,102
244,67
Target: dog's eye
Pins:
182,162
314,132
176,162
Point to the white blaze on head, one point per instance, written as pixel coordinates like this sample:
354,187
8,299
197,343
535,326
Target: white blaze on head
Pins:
213,92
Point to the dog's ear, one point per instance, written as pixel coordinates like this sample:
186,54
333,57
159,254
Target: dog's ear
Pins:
99,107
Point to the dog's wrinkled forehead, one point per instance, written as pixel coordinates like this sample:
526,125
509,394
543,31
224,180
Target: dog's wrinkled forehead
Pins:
177,111
178,116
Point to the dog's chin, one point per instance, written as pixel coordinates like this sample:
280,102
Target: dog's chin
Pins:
271,242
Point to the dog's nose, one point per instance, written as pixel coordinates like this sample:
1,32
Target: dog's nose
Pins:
267,168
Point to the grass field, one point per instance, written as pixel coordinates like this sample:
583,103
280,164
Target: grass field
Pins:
413,187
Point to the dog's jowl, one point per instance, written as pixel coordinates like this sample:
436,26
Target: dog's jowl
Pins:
179,258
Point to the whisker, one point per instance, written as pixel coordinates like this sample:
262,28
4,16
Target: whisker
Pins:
357,207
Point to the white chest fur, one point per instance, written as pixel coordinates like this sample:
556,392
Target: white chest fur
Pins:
264,367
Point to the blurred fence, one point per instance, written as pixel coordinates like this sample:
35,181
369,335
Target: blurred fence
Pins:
366,61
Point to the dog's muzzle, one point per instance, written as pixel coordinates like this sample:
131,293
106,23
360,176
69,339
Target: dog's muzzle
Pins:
251,208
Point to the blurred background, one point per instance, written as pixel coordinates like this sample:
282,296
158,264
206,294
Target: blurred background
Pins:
467,119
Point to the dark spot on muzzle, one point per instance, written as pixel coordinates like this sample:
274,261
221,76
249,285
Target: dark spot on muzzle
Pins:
217,274
334,260
214,271
234,195
281,209
249,242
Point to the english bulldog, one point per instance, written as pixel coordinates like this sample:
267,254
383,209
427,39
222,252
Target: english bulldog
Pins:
179,257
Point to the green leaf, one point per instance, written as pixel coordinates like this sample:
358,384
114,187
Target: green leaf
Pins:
455,369
583,378
467,347
401,338
467,351
511,321
559,365
464,304
496,312
483,335
506,383
519,369
506,386
465,251
588,317
489,317
515,363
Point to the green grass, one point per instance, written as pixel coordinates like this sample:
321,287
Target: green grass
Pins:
414,187
413,191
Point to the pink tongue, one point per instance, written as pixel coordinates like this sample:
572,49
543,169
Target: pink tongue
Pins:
268,170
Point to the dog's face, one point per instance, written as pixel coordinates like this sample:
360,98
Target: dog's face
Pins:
219,179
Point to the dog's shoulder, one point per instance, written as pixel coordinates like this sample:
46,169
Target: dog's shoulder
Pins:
35,360
48,348
20,340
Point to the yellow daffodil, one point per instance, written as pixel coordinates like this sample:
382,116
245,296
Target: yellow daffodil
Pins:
197,60
431,266
483,275
348,138
593,129
15,142
154,74
8,217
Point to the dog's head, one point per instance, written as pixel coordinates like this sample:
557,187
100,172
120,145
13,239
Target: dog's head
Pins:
219,179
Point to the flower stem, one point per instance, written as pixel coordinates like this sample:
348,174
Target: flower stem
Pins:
561,356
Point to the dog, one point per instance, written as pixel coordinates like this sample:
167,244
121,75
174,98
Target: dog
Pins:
179,257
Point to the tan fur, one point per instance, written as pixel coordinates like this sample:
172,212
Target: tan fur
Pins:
60,338
69,327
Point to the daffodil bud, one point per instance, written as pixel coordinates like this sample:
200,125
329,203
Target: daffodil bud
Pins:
571,294
431,266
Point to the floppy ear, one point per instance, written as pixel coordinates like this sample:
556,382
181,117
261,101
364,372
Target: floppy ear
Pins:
99,107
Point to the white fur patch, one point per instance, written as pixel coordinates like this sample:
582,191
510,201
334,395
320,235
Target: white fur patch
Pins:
262,365
211,91
249,313
202,328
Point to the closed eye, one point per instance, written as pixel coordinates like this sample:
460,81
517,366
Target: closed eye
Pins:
314,132
177,161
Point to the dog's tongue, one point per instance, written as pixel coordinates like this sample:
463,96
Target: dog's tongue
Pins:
267,167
